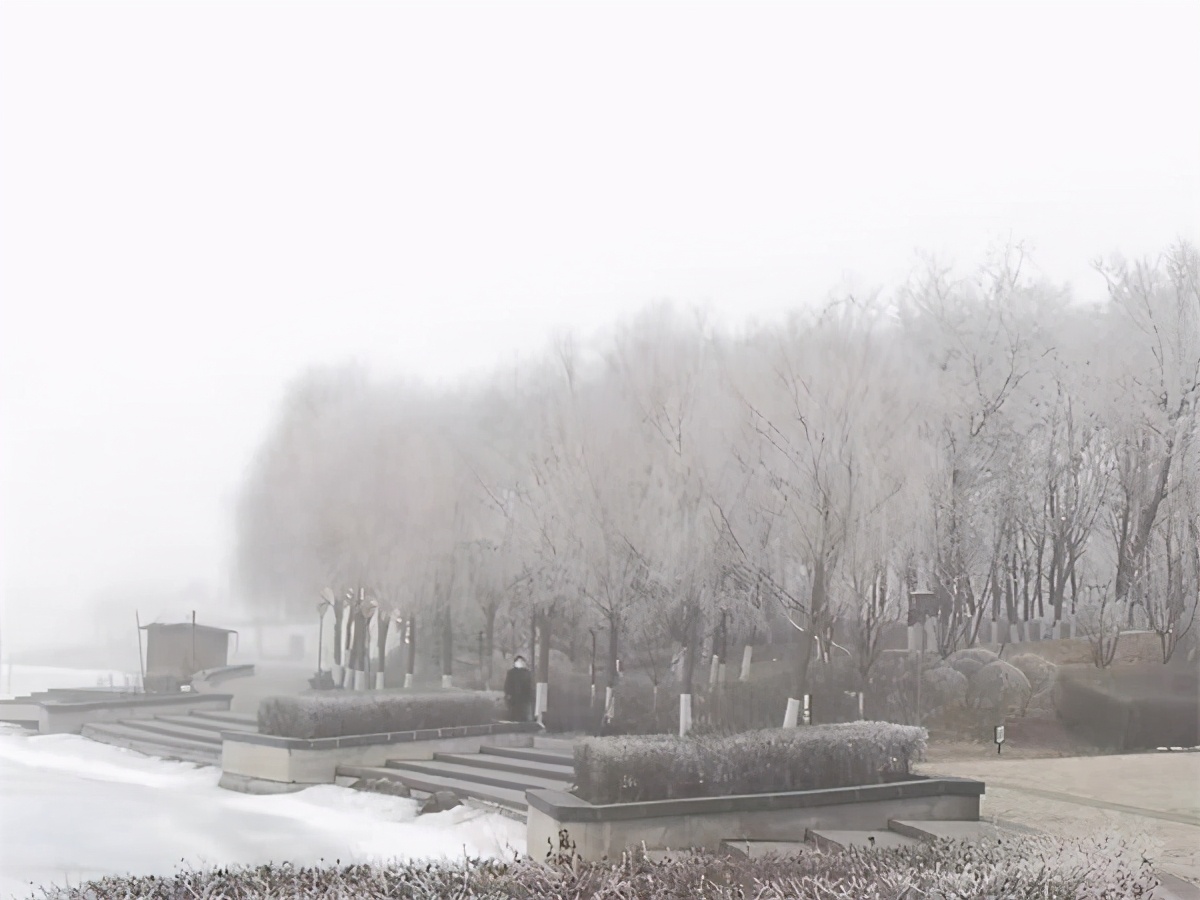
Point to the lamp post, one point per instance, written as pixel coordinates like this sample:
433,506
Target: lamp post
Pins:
921,601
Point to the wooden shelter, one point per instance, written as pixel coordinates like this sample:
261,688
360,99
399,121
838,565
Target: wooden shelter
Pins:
176,652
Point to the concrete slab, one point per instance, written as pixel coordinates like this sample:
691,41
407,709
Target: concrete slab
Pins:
759,849
832,840
955,831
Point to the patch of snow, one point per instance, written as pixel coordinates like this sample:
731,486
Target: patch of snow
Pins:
73,809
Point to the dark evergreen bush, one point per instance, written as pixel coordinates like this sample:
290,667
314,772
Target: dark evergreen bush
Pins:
341,714
629,769
1130,708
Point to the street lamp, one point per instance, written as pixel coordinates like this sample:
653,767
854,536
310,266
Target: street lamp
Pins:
921,603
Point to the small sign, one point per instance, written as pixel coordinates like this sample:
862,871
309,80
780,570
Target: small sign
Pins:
999,738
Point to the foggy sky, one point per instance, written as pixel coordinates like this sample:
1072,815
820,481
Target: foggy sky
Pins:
197,201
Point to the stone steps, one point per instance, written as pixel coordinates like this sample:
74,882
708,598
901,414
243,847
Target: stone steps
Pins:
158,726
426,783
227,718
549,757
516,766
120,734
194,736
478,775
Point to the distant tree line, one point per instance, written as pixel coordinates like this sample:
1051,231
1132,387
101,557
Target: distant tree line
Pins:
984,437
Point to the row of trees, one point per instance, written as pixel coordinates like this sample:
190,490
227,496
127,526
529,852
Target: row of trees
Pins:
984,437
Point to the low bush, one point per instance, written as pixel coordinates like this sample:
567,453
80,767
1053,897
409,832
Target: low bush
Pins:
661,767
1130,708
339,715
976,653
999,688
946,687
965,665
1024,867
1039,672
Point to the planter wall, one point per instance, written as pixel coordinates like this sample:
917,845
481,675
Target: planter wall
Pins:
259,763
704,822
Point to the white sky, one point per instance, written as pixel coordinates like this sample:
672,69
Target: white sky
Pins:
198,200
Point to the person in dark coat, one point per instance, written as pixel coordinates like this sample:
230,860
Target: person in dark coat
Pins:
518,691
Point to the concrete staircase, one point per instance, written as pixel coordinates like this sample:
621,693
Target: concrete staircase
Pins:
192,737
899,833
496,776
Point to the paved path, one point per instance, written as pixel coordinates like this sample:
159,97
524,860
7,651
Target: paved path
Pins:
1147,796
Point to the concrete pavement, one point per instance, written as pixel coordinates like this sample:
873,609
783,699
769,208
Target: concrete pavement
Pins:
1149,798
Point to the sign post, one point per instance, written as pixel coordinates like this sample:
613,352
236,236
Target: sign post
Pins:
999,738
807,709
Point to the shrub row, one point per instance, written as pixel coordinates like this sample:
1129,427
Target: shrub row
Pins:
630,769
1083,869
339,715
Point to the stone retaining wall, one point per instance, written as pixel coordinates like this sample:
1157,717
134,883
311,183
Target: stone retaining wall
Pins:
600,831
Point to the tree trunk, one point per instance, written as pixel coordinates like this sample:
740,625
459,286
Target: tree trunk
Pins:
610,691
410,662
543,669
805,646
489,639
339,616
1131,553
447,648
385,622
687,675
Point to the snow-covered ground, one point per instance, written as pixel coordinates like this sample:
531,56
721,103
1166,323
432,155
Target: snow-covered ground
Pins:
20,681
72,809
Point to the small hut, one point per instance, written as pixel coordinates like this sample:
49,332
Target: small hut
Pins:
176,652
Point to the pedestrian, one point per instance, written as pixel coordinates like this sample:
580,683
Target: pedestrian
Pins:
518,691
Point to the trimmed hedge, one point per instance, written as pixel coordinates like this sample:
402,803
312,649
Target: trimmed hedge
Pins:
632,769
1130,708
341,715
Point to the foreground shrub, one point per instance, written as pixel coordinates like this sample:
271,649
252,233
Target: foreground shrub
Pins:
338,715
1028,868
627,769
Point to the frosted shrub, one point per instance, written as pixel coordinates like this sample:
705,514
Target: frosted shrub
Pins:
946,687
977,653
1037,671
966,665
631,769
1027,868
999,687
324,716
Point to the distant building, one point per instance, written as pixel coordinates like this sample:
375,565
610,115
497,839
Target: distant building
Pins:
176,652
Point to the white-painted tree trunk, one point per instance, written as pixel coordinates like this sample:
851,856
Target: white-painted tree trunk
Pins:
685,714
379,685
339,675
747,657
610,706
714,669
408,679
540,704
792,717
721,674
447,681
360,680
